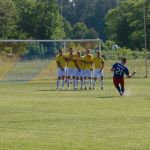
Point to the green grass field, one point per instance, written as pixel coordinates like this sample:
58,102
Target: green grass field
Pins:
33,116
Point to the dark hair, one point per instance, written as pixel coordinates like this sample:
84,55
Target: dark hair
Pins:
124,60
60,50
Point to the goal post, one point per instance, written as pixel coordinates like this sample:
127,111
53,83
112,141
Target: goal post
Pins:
146,32
34,60
99,41
31,60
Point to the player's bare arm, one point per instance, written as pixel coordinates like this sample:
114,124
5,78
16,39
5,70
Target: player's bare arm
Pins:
132,74
68,59
91,65
102,67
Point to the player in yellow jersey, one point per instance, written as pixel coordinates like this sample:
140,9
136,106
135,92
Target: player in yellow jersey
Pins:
80,70
61,63
98,63
88,61
71,60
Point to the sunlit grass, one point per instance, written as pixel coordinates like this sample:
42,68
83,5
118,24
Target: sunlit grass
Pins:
36,117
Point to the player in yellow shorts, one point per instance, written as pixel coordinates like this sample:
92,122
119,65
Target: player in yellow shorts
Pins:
98,63
61,64
71,60
80,70
88,61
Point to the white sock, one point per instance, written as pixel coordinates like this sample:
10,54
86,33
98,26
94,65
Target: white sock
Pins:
85,82
74,82
81,83
90,82
77,83
57,83
63,82
102,83
68,83
94,82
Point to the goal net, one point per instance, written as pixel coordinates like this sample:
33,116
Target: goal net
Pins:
34,60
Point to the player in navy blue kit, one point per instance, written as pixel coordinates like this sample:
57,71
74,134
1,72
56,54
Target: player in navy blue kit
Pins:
119,71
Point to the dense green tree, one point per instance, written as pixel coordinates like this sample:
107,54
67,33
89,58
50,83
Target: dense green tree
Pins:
68,29
99,9
40,19
77,19
124,24
8,19
26,11
79,30
48,21
91,34
35,50
90,12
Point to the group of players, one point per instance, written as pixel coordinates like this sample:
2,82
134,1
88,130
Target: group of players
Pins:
87,69
76,67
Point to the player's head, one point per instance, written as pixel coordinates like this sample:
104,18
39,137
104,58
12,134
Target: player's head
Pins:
79,53
60,51
98,53
71,51
123,60
88,51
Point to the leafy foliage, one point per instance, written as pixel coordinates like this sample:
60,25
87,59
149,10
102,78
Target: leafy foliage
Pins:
76,19
8,19
124,24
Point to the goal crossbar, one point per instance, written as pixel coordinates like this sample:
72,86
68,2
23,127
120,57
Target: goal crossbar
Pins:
67,40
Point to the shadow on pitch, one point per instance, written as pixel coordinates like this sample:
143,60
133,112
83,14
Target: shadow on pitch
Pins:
50,90
107,97
53,90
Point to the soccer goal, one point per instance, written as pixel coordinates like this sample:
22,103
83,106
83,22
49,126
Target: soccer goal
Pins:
34,60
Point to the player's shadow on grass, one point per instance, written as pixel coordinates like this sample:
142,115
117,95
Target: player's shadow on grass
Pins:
50,90
107,97
54,90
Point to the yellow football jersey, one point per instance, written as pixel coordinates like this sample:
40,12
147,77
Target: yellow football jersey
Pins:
61,60
71,63
98,62
80,62
88,62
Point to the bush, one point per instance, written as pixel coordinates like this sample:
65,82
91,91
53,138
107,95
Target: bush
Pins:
123,52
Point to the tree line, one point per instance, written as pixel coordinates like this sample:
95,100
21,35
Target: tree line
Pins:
116,20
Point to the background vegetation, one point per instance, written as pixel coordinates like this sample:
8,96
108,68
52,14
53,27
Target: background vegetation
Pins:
116,20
